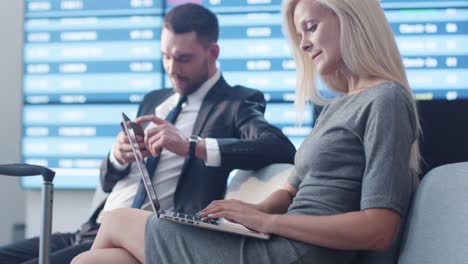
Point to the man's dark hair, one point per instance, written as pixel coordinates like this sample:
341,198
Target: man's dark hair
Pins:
192,17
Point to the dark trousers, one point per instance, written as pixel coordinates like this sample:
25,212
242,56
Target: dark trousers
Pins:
63,250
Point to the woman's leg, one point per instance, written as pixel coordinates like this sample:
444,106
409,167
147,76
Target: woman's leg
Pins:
122,230
108,255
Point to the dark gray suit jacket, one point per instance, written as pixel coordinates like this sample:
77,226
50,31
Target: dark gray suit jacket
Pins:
232,115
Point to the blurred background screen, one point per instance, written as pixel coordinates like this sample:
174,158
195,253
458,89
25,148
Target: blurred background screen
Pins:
85,61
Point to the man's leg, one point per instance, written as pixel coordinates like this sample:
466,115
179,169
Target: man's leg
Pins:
65,255
28,249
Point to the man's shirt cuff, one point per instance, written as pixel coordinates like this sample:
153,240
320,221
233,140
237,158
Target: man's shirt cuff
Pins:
115,163
213,155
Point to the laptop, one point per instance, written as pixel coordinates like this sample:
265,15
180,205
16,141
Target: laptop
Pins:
218,225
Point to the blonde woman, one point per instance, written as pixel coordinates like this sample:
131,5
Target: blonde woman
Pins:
352,183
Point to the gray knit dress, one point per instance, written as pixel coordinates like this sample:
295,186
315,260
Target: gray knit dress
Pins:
356,158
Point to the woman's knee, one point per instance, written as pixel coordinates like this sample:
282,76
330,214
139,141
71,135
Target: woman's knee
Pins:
120,224
117,217
83,258
124,215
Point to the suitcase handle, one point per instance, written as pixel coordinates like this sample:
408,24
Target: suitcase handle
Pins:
24,169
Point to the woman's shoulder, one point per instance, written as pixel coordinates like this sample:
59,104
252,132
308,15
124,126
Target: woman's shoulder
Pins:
391,100
389,94
381,96
385,97
390,88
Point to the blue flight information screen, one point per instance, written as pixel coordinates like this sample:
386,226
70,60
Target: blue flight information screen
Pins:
86,61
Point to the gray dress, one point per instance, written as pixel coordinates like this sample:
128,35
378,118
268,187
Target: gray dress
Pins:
356,158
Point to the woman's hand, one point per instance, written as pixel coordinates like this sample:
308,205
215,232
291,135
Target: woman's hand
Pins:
239,212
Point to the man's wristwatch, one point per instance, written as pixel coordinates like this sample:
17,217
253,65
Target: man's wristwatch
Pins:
193,141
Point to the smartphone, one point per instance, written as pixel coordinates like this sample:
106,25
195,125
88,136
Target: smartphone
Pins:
136,128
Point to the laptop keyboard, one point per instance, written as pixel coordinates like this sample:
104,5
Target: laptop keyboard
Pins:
194,220
191,219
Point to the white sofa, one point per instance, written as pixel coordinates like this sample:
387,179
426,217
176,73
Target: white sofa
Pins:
436,230
254,186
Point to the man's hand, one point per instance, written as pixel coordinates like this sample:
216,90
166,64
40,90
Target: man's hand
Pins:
164,135
123,151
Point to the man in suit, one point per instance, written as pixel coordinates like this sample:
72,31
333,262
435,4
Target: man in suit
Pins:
218,128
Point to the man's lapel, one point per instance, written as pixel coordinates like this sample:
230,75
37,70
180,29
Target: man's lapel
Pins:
214,96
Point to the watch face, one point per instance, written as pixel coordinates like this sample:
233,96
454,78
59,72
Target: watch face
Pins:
195,139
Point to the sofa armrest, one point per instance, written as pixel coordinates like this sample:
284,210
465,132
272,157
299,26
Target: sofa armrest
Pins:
253,186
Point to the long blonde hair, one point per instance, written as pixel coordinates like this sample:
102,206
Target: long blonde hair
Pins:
368,48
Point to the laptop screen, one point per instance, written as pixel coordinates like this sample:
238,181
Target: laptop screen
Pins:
130,128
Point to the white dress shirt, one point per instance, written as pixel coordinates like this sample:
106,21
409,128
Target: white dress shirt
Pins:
170,165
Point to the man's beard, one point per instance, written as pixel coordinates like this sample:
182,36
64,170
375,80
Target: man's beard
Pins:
192,86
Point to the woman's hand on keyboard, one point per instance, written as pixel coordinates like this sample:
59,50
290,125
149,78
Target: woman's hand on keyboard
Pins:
239,212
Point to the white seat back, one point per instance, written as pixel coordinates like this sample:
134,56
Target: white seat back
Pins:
254,186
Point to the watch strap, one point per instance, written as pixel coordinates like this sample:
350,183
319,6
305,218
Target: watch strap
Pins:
193,141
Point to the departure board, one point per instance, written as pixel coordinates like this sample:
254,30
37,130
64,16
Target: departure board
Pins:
86,61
